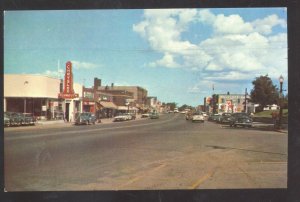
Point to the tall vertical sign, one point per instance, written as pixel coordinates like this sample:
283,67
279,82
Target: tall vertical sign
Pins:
68,83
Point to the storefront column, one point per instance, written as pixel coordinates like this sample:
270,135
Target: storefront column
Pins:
4,105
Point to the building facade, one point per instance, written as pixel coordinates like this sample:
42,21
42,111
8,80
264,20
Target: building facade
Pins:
219,103
39,95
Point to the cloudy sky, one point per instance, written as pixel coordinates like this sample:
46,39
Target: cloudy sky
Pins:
176,54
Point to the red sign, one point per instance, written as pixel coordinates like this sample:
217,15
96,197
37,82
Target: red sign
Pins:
68,87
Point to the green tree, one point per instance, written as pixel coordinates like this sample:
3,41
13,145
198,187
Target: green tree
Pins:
264,92
171,105
185,106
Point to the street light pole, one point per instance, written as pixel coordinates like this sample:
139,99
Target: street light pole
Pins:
246,100
280,102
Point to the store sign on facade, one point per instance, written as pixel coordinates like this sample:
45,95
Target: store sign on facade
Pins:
68,92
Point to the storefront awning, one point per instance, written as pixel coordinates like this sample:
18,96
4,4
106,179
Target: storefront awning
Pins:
109,105
122,107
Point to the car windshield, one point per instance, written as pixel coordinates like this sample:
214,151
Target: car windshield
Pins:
226,114
197,113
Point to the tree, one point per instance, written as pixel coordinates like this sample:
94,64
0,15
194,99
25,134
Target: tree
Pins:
264,92
171,105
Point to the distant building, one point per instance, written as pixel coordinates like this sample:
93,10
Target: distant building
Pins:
220,103
139,98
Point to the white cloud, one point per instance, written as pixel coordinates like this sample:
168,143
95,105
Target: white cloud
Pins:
167,61
83,65
265,25
56,73
236,49
232,24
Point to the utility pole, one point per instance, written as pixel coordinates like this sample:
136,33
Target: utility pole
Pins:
245,100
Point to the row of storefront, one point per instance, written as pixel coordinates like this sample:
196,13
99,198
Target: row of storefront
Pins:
50,98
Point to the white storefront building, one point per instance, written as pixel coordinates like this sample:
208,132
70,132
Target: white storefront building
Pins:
39,95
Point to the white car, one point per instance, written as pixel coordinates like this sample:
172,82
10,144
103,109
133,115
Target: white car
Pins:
122,117
198,116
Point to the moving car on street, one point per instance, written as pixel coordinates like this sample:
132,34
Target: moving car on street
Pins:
85,118
240,119
198,116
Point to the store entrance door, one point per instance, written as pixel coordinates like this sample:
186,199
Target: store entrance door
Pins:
67,111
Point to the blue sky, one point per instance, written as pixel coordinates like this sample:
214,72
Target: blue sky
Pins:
176,54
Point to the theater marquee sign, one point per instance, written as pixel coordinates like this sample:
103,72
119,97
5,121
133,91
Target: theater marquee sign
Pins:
68,92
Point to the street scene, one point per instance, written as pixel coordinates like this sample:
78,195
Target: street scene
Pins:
144,154
154,99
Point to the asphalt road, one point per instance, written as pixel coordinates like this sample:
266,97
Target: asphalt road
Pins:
164,153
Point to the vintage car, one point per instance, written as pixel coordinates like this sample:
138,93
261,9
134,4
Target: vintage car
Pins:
122,117
16,119
240,119
28,119
145,115
198,116
85,118
7,119
225,118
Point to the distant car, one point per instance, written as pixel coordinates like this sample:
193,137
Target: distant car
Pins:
28,119
240,119
225,118
122,117
154,115
145,115
198,116
214,117
85,118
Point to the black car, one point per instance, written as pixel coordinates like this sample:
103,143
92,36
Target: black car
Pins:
225,118
85,118
16,119
28,119
7,120
240,119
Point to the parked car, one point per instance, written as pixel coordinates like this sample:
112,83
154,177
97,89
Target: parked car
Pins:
16,119
85,118
145,115
7,119
240,119
122,117
28,119
225,118
214,117
131,116
154,115
198,116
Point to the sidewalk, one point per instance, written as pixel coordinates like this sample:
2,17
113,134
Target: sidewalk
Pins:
270,127
103,121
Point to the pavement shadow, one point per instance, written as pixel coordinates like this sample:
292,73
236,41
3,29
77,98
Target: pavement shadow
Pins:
258,128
